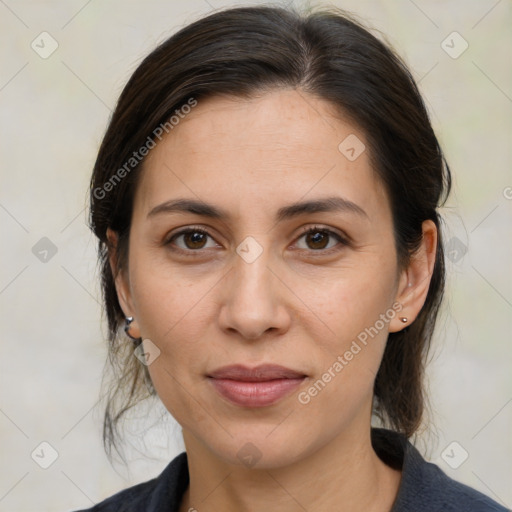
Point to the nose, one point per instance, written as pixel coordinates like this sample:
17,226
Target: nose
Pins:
253,299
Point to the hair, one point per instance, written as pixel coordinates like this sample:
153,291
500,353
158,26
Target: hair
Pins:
246,51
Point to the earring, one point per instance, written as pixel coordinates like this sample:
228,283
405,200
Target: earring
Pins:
403,320
128,321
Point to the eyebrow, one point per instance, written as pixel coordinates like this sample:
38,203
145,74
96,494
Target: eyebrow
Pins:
327,204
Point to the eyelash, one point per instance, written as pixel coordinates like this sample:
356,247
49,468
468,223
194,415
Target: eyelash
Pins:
190,252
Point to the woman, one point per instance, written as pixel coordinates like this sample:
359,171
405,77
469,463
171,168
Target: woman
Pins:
265,202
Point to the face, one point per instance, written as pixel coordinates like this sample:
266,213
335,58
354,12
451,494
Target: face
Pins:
263,283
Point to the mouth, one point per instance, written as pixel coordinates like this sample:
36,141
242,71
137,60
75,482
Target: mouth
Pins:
261,386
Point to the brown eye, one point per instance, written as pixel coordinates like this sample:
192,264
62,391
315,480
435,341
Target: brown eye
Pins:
193,239
319,239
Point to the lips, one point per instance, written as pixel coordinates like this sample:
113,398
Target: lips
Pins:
255,387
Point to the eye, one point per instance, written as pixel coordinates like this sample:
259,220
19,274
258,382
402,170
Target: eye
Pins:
318,239
193,239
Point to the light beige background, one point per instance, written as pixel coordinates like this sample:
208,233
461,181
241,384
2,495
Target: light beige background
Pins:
53,115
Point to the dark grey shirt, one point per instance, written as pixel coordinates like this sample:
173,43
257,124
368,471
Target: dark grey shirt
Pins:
424,487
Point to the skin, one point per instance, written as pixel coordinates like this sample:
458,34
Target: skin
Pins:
297,304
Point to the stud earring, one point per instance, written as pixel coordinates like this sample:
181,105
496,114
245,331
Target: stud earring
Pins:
403,320
128,321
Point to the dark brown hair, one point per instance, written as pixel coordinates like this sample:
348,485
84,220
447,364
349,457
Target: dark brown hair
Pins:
246,51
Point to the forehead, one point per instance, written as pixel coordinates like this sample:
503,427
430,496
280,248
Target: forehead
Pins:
278,147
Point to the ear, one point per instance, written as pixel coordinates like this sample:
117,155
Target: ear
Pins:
414,281
121,282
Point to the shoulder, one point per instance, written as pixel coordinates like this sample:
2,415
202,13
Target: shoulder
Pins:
424,486
161,493
457,496
448,495
128,500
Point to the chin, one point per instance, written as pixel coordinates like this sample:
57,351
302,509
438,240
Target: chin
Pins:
261,453
259,446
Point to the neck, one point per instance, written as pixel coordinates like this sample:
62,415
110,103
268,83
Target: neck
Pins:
346,475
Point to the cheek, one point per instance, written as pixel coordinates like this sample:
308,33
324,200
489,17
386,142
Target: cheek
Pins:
353,301
355,323
169,299
171,312
347,358
175,310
